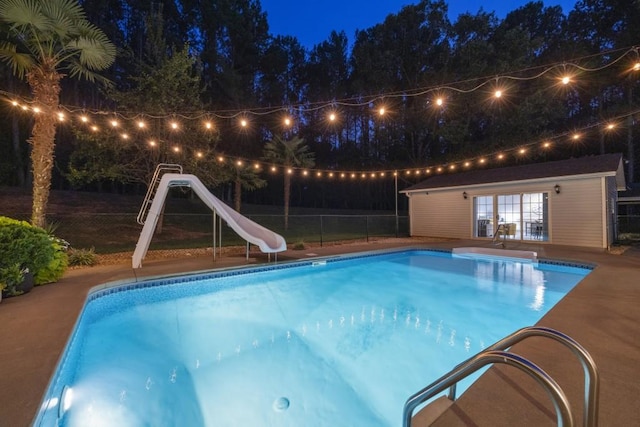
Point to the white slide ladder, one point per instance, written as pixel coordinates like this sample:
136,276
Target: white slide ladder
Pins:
153,186
267,240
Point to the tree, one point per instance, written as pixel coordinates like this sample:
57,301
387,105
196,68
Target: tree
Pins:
244,177
288,153
44,41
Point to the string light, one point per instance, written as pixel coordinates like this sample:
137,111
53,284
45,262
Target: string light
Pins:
498,93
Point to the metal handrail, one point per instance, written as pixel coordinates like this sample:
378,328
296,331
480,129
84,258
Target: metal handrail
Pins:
591,377
148,198
496,234
560,402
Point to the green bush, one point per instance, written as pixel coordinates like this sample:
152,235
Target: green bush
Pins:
85,257
10,277
31,248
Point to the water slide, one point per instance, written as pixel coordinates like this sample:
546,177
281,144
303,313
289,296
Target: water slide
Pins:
265,239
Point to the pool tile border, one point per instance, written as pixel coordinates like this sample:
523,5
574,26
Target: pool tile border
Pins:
115,287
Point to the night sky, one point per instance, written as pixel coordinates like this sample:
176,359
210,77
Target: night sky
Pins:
311,21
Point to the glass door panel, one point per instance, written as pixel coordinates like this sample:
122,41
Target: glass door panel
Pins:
535,216
510,215
483,216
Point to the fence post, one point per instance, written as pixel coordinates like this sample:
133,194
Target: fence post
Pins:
366,218
321,231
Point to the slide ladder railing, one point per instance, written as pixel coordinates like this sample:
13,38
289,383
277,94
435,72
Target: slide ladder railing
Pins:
161,169
497,354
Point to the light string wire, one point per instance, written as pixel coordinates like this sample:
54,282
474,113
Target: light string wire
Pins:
29,105
364,100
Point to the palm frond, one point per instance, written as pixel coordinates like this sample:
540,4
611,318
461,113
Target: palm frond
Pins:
23,13
20,63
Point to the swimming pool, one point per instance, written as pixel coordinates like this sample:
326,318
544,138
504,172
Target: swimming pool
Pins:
339,342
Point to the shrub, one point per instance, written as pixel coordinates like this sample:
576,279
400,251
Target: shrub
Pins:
31,248
85,257
299,246
10,277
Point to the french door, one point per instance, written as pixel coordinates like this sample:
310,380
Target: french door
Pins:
519,216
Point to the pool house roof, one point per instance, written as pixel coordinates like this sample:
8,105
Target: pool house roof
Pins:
604,165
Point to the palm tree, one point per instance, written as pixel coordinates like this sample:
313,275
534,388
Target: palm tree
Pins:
290,154
42,42
244,177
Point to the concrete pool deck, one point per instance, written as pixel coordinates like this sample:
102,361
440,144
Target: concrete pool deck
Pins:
602,313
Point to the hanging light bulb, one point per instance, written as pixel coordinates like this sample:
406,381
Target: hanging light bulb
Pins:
114,123
141,124
199,154
332,117
153,143
565,80
439,102
287,121
208,125
84,119
174,125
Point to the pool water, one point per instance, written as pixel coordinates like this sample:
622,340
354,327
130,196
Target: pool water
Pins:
338,343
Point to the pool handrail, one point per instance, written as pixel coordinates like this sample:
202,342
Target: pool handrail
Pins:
591,376
559,399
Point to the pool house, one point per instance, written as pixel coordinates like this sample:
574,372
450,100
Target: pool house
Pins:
567,202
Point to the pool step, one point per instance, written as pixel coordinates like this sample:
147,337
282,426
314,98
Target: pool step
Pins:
430,413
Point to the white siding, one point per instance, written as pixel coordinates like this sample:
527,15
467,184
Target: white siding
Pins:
441,214
576,213
612,210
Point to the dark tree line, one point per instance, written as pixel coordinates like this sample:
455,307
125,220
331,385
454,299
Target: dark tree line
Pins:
198,56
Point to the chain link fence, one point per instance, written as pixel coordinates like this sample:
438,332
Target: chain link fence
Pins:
111,233
629,224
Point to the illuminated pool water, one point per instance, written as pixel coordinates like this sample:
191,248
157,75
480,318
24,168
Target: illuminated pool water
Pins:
338,343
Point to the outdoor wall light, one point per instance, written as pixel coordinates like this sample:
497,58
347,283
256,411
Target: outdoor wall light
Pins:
464,194
557,189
